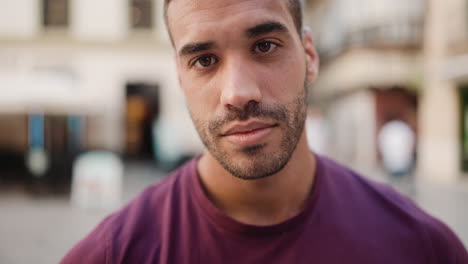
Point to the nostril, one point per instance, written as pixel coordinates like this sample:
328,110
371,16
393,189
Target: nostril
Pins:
250,109
252,104
231,108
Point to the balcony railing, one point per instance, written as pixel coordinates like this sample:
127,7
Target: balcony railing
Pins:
402,25
399,33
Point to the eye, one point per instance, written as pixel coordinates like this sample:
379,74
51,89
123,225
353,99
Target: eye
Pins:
265,47
205,61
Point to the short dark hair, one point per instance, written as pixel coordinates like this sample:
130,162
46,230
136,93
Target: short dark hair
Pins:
295,8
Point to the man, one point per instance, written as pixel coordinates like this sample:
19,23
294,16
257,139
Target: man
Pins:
257,194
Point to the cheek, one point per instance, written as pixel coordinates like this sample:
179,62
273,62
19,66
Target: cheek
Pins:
284,80
200,97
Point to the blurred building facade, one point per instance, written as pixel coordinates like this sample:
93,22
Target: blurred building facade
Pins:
80,75
394,60
370,74
443,116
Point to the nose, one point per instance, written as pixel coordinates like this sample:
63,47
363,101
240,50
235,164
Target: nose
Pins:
239,86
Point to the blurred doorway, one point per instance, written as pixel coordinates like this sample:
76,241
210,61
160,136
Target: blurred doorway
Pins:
38,149
396,104
142,110
13,145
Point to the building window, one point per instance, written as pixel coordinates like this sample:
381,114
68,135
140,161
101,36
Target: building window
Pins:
141,14
55,13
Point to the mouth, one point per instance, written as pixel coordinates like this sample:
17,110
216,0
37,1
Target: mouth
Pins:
248,134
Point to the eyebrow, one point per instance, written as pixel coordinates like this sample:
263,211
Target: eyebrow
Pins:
265,28
255,31
192,48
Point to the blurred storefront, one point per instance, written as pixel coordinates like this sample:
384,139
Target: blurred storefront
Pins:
74,74
400,60
371,73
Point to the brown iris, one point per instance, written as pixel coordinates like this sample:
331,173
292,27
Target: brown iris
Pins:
264,46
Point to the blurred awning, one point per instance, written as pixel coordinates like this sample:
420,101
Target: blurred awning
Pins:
49,92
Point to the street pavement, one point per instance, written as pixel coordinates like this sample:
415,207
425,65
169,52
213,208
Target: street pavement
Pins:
42,230
448,203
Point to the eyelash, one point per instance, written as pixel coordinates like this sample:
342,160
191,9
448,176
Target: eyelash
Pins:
273,46
197,60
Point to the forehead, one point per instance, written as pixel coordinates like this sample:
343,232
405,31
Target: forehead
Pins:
191,19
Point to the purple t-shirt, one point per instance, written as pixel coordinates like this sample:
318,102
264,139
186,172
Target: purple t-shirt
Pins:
347,219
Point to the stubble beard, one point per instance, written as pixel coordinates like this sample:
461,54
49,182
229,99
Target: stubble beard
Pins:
255,163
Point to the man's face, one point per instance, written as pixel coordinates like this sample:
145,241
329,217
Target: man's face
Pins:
242,67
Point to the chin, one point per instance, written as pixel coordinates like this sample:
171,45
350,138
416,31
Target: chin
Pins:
254,162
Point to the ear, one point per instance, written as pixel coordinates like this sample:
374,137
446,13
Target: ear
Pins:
312,59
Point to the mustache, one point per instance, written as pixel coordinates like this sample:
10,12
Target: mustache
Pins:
252,109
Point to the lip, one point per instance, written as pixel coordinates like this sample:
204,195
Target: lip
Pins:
248,133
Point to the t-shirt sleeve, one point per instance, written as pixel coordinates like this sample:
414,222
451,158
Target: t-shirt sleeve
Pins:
446,246
93,249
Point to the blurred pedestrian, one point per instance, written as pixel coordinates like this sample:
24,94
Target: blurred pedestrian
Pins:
397,149
397,145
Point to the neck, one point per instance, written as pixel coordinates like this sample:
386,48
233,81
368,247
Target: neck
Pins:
264,201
